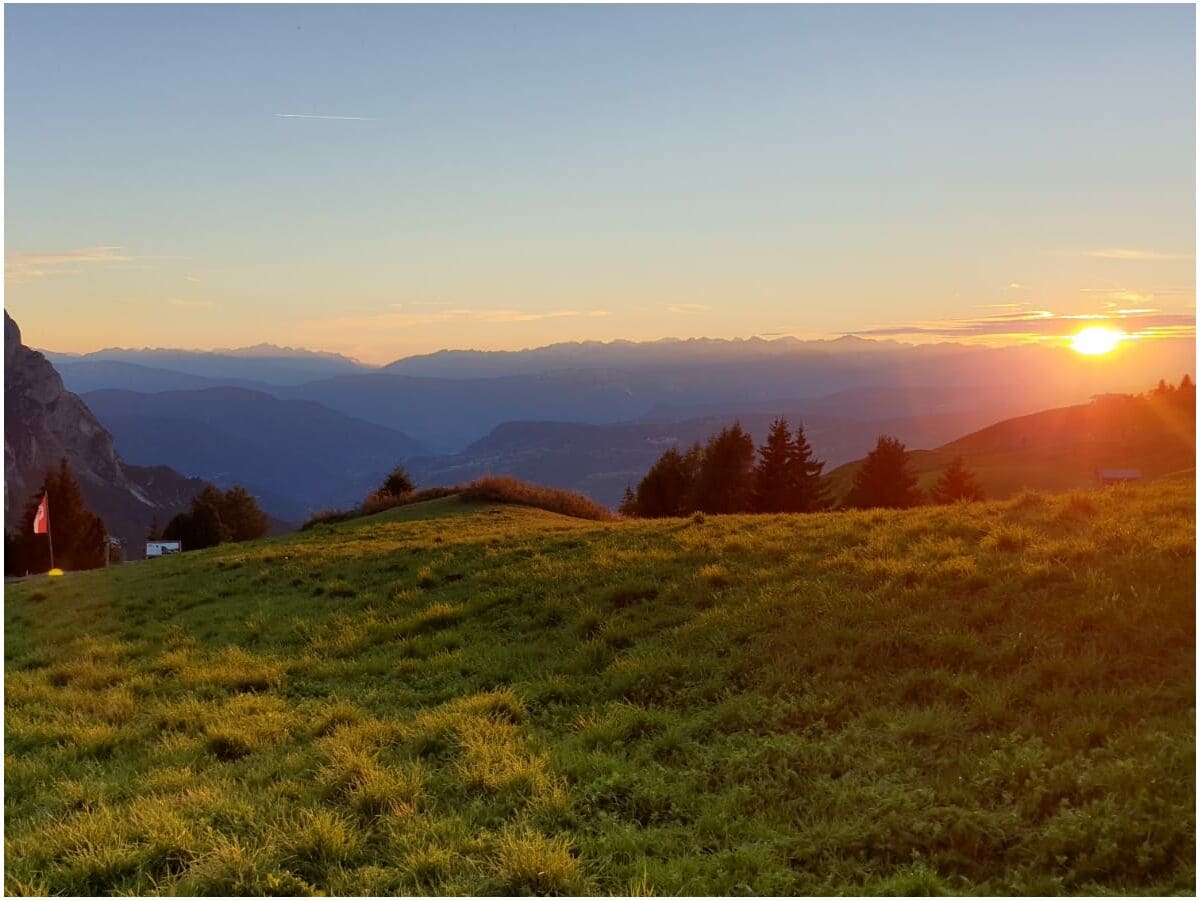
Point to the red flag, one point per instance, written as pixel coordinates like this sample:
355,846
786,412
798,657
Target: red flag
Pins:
41,518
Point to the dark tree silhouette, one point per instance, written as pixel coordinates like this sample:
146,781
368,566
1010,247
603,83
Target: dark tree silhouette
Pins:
807,480
1185,394
666,487
956,483
154,532
629,503
726,481
396,483
215,517
884,479
79,535
775,486
241,515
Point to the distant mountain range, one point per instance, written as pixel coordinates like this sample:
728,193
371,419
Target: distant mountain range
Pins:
264,364
450,399
306,430
296,456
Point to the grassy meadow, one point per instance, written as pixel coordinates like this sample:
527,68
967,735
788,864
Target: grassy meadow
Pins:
460,698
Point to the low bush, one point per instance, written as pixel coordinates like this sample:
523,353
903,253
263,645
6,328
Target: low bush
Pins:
489,489
503,489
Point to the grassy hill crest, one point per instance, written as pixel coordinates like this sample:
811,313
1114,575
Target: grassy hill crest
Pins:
458,697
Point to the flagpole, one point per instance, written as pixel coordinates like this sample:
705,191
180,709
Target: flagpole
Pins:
49,536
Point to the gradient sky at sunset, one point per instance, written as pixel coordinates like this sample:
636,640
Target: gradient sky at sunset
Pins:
385,180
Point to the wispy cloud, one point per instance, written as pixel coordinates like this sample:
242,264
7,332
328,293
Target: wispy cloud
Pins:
185,303
328,118
1137,255
687,308
23,265
481,315
1036,324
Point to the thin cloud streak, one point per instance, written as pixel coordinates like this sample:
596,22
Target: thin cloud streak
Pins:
1042,324
1137,255
23,265
687,308
485,316
328,118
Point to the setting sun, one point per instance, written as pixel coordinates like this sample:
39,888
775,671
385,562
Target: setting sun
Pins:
1096,340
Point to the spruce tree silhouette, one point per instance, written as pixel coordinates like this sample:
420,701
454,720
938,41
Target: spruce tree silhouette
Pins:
397,482
775,483
884,480
665,488
807,479
957,483
629,503
726,483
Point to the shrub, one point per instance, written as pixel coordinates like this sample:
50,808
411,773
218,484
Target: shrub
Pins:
489,489
377,502
493,489
330,517
397,483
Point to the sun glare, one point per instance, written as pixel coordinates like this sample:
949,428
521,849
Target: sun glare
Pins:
1096,340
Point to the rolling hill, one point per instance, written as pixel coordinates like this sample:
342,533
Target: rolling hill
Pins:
601,460
1061,449
451,698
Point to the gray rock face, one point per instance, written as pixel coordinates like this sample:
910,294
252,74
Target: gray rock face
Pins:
44,422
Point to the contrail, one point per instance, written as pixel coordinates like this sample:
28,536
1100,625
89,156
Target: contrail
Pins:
339,118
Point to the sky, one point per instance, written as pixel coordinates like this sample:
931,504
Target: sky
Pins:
387,180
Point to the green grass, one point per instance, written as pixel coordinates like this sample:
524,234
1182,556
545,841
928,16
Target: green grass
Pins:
449,698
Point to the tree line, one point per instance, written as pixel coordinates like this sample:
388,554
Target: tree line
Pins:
728,475
215,517
81,537
723,476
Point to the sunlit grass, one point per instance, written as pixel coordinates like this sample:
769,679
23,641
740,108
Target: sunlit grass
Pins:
988,699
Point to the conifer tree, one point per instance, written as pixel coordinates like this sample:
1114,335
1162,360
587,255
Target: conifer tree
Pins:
665,488
957,483
884,479
775,485
79,535
807,480
692,462
629,504
726,483
397,482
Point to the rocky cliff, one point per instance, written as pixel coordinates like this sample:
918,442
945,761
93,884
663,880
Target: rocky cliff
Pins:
44,422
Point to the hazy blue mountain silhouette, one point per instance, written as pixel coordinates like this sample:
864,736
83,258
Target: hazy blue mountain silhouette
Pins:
297,456
264,364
